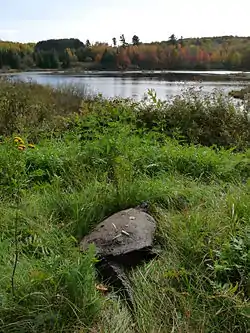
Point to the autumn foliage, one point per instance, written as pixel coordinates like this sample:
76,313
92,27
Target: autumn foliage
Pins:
227,52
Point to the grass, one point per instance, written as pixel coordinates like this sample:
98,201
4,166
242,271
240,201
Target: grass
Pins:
30,108
107,157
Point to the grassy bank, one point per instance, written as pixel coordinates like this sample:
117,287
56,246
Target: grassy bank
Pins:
68,161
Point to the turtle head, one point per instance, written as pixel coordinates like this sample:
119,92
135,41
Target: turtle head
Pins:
144,206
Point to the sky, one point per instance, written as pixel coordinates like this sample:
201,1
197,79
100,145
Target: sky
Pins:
101,20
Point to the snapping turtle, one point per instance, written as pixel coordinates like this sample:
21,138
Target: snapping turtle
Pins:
122,241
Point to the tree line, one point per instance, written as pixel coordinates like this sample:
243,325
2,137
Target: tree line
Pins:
226,52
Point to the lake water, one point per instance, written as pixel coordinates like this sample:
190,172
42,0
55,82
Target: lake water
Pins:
132,87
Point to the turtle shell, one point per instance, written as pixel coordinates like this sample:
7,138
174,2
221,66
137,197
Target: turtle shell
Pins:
122,234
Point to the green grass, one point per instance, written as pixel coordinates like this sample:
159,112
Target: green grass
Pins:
106,158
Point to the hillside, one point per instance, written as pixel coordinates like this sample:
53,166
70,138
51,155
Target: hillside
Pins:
226,52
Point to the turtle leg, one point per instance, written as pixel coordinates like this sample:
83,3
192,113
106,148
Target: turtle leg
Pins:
115,274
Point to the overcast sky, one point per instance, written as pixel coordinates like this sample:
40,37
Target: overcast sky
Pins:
101,20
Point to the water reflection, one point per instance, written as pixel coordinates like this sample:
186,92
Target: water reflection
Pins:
134,87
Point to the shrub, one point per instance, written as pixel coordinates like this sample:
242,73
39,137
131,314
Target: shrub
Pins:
196,118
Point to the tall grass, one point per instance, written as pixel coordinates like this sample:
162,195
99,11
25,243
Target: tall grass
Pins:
35,110
209,120
26,107
106,159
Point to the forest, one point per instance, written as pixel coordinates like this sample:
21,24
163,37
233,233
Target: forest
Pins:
208,53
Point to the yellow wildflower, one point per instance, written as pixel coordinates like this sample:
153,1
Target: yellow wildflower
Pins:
21,147
17,139
30,145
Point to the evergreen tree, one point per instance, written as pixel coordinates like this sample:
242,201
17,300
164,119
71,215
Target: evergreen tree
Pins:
135,40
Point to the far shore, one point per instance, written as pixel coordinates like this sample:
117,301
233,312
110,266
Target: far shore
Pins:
171,75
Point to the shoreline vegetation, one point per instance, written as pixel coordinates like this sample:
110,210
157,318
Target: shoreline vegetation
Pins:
165,75
68,160
240,94
210,53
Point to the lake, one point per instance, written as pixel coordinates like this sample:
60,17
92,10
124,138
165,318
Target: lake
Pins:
113,84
